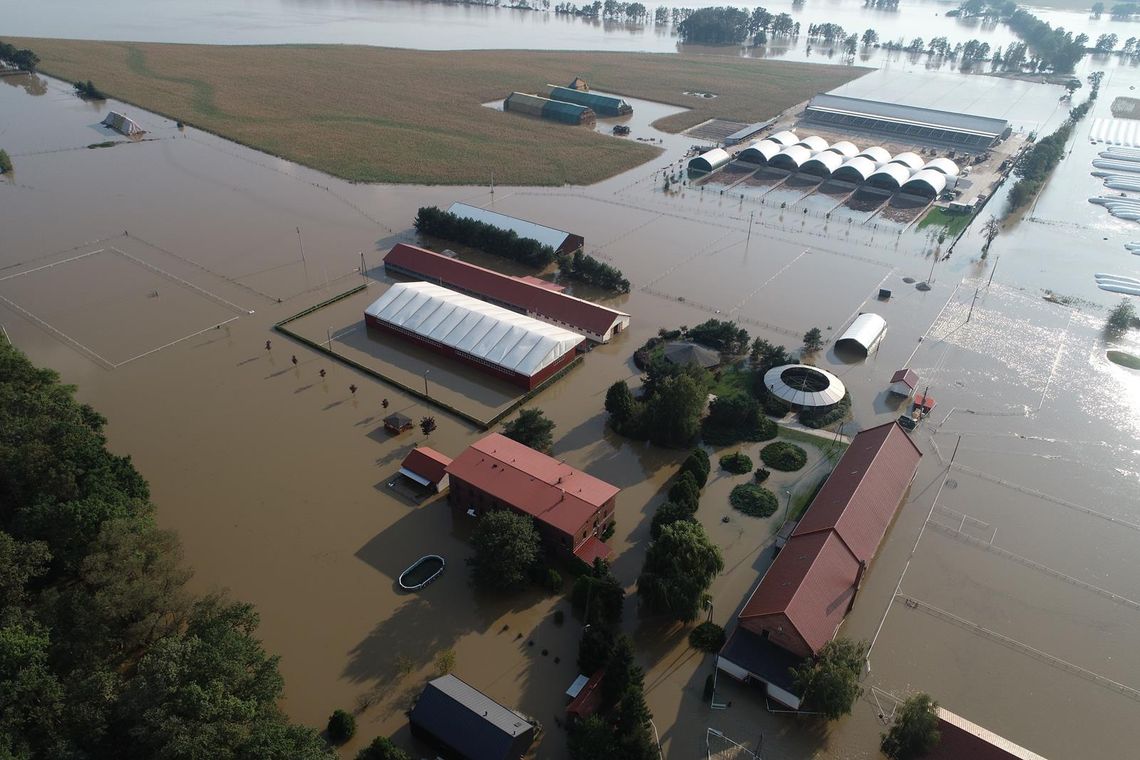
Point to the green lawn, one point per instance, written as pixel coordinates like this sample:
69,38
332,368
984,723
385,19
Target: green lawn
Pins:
940,217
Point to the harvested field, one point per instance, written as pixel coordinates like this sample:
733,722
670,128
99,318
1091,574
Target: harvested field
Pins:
383,115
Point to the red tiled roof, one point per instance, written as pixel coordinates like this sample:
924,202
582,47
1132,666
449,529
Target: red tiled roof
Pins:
591,549
963,739
908,376
589,699
541,486
860,497
569,310
538,281
427,463
810,582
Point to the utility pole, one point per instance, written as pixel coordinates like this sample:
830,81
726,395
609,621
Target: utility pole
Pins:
971,312
992,270
426,371
750,217
363,268
492,185
301,244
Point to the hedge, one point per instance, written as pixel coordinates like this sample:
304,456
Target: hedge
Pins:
737,463
785,456
754,500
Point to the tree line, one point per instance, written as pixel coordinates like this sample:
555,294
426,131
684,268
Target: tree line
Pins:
727,25
587,269
431,220
21,58
104,652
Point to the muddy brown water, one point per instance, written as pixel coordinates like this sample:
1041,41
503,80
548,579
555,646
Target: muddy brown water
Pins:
276,478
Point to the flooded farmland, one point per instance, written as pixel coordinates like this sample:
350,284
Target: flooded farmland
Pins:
151,272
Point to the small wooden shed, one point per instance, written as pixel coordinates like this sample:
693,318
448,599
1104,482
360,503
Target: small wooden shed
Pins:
397,423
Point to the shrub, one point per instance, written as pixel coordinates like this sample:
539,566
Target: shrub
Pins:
382,748
823,416
1119,319
445,662
754,500
707,637
89,91
589,270
785,456
760,475
737,463
342,727
697,463
685,492
553,580
5,162
736,417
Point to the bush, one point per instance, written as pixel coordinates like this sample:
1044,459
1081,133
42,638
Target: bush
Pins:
342,727
382,748
760,475
89,91
736,417
685,492
553,580
823,416
737,463
785,456
754,500
1119,319
589,270
5,162
697,463
707,637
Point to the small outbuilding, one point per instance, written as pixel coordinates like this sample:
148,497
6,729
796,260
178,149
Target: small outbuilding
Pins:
427,467
122,124
585,696
578,83
864,334
710,160
397,423
462,722
682,353
903,382
603,105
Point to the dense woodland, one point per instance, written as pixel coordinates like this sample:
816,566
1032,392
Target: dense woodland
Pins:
103,651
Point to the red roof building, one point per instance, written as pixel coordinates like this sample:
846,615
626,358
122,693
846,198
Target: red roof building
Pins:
598,323
810,586
588,699
904,381
427,467
963,739
571,509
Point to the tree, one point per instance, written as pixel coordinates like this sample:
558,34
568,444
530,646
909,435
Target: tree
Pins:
990,230
622,672
870,37
914,732
715,26
813,340
594,648
667,514
620,403
1105,43
1097,9
5,162
506,545
382,748
685,492
531,428
674,411
1121,317
427,425
697,464
707,637
591,739
679,567
735,417
598,596
830,680
342,727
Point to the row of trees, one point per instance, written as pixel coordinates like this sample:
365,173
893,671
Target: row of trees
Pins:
1119,12
622,728
728,25
104,652
1035,165
21,58
585,268
431,220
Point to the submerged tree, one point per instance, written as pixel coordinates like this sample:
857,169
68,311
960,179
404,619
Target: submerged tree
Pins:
830,680
914,732
531,428
506,546
679,567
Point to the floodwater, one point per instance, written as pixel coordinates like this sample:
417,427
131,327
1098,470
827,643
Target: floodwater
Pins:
150,273
445,26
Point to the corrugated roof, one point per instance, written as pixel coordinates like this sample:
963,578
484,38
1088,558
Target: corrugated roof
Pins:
521,227
804,385
963,739
591,549
583,315
603,104
908,376
761,657
860,497
961,122
811,582
866,332
543,487
427,462
496,335
467,719
710,159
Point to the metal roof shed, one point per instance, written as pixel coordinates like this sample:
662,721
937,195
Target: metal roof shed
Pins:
864,334
560,240
710,160
463,722
760,151
605,105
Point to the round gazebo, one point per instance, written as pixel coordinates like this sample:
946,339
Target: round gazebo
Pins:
804,386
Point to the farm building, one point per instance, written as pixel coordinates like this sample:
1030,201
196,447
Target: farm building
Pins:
929,183
710,160
544,108
427,467
559,240
856,170
903,122
585,696
903,382
745,133
570,508
462,722
397,423
785,138
509,345
804,386
122,124
602,105
682,353
791,158
760,151
811,585
864,334
960,738
540,301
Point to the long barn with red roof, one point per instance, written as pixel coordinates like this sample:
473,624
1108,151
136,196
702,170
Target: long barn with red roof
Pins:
598,323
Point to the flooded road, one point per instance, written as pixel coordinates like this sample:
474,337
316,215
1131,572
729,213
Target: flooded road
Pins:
171,258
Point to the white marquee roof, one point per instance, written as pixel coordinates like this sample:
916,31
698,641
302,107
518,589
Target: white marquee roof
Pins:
814,143
804,385
760,151
795,155
912,161
861,166
933,179
785,138
823,163
944,165
844,148
488,332
891,173
877,153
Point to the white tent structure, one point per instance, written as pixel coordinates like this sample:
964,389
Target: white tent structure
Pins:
814,143
844,148
910,160
760,151
864,334
823,163
488,333
791,158
928,183
877,154
785,138
122,124
857,170
710,160
804,386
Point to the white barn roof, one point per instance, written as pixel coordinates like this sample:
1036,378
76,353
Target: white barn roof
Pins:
944,165
760,151
496,335
814,143
890,175
857,169
521,227
785,138
710,160
878,154
823,163
927,182
792,157
864,334
912,161
844,148
804,385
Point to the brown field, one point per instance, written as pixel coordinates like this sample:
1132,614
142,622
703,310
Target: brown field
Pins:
382,115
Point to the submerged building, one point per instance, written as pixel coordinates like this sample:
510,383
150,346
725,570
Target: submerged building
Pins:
494,340
907,123
560,240
571,509
545,108
122,124
462,722
603,105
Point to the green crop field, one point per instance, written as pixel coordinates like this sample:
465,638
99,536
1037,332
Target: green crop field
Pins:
383,115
